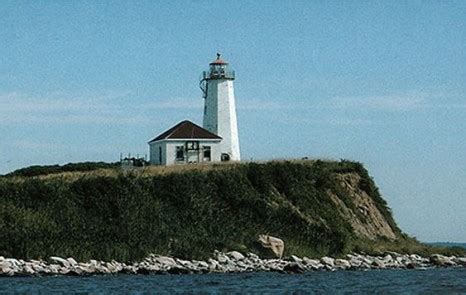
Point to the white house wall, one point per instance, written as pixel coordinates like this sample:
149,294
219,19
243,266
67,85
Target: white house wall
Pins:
169,150
154,153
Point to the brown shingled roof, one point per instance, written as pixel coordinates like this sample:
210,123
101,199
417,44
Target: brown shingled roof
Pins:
186,130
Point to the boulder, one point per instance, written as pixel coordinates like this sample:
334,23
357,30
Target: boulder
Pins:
14,263
355,261
393,254
275,267
460,260
222,258
230,267
296,259
388,258
364,265
37,266
252,256
235,255
312,263
129,270
342,263
71,261
415,257
61,261
328,261
412,265
178,270
165,261
6,271
309,261
201,264
112,268
28,270
294,267
185,263
6,268
378,263
275,244
213,264
242,266
53,268
441,260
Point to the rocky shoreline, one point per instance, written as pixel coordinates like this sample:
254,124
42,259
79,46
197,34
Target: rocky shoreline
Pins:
230,262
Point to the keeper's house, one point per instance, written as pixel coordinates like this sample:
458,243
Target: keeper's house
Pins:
185,143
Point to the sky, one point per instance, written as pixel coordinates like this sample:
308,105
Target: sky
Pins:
379,82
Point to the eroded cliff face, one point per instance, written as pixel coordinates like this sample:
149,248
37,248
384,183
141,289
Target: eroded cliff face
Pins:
365,218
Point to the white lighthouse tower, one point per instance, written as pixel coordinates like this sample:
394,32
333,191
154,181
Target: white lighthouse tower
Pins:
220,108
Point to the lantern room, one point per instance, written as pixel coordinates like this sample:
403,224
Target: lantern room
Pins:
219,70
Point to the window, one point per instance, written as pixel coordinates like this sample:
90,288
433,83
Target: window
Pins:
160,155
179,153
192,145
206,153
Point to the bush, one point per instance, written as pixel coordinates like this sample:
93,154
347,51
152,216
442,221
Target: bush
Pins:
49,169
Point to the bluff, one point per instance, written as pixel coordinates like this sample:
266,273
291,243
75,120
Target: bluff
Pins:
317,207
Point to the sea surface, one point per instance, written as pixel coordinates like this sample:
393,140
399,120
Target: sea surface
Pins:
430,281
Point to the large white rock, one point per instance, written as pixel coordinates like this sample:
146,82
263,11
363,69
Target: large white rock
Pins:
388,258
378,263
186,263
28,270
59,260
201,264
213,264
296,259
342,263
13,262
308,261
166,261
441,260
275,244
71,261
252,256
235,255
328,261
460,260
6,270
222,258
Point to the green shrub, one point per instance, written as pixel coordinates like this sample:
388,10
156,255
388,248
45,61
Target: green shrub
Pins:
70,167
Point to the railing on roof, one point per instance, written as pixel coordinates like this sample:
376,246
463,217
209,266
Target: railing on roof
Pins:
218,74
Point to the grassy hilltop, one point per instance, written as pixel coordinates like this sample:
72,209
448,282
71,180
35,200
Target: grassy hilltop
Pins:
316,207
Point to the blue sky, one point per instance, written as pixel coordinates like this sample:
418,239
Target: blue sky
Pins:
380,82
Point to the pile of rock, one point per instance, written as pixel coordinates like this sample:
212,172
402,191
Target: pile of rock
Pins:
224,263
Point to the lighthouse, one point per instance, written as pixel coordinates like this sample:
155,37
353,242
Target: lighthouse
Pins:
189,143
219,107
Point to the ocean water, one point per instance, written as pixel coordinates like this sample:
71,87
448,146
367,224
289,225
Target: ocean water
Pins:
431,281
